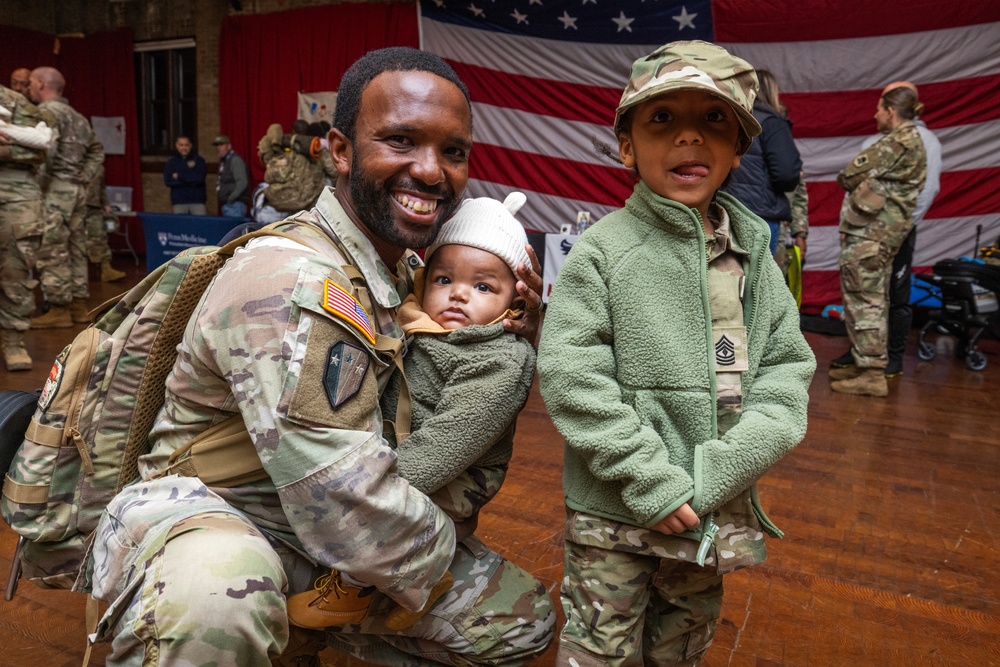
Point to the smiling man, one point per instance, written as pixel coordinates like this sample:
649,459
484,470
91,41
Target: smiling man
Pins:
279,343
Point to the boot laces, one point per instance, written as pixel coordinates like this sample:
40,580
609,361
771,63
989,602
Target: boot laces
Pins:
327,584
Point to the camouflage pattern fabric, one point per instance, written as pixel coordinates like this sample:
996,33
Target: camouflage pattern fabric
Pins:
681,603
882,184
262,345
72,163
62,257
797,226
21,221
77,153
96,200
695,65
603,594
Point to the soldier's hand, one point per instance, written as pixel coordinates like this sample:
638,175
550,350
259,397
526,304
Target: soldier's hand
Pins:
529,290
678,521
800,241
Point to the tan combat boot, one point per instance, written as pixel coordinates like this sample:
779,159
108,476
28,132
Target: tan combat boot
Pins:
331,602
110,274
869,382
844,372
58,317
14,355
79,312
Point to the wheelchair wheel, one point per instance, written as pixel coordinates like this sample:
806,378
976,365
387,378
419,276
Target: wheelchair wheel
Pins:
976,361
925,351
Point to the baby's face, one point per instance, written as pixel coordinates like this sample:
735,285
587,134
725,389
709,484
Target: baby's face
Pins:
466,285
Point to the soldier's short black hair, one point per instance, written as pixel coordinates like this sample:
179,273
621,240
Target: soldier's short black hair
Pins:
367,67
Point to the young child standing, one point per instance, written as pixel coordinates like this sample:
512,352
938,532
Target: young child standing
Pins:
672,362
466,380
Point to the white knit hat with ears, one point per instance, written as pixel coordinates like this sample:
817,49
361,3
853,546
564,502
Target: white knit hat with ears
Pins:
487,224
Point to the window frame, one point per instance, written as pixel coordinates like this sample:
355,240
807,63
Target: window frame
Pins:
176,95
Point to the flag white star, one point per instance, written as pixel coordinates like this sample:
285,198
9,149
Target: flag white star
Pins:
521,18
475,10
568,21
684,20
623,22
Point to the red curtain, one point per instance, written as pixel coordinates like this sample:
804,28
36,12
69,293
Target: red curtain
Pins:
100,81
265,60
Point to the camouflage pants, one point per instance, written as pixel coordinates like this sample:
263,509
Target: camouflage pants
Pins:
167,596
865,267
62,258
20,236
629,609
97,236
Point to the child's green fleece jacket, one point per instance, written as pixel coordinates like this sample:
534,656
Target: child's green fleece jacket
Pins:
627,366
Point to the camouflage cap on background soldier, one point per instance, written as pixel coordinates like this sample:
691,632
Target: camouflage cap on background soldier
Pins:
695,65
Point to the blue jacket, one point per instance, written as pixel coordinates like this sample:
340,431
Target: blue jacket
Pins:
189,186
770,168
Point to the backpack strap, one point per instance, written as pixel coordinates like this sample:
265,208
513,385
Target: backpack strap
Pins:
389,347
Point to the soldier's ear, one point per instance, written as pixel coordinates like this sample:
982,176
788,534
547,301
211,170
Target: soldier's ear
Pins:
341,151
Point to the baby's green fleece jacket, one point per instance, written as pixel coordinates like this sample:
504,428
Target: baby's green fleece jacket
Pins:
627,366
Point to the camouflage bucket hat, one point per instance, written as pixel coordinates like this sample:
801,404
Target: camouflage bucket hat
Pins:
695,65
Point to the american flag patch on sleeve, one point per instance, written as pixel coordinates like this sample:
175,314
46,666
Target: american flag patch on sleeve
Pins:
343,305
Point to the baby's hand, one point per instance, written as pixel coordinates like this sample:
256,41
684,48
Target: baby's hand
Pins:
681,519
529,290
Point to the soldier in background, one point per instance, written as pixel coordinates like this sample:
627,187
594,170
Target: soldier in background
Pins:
20,228
72,163
292,168
20,80
900,310
877,214
98,213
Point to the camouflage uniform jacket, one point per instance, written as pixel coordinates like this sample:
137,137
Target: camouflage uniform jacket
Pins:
77,153
96,195
628,369
882,184
263,344
467,387
13,157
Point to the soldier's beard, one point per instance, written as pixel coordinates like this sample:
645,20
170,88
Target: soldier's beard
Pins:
374,205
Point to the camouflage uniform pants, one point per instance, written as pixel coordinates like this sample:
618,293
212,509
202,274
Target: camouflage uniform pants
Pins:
865,267
98,249
167,595
20,236
631,609
62,258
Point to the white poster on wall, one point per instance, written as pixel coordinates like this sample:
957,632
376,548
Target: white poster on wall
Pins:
110,131
315,107
557,246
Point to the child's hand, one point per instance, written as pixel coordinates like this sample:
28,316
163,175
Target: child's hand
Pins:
678,521
529,290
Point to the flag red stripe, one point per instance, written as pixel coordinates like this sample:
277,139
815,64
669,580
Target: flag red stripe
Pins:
569,101
824,114
851,112
963,193
781,21
551,175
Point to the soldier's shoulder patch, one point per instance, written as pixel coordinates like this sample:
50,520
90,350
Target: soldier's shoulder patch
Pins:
344,306
861,160
346,366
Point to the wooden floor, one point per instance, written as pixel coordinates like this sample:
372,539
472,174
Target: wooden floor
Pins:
891,509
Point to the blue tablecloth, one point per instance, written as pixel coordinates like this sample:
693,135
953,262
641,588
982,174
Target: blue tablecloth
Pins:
167,234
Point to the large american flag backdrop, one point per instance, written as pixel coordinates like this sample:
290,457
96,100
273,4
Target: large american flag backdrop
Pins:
545,77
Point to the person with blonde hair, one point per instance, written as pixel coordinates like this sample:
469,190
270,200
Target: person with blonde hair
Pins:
771,167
